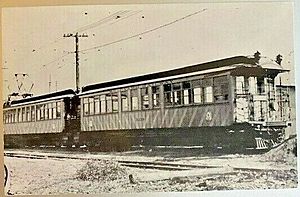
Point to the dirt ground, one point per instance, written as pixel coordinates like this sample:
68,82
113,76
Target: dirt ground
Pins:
275,169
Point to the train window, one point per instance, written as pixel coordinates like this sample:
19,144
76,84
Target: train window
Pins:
14,115
187,93
54,110
50,110
260,85
8,116
134,100
208,94
220,88
86,106
102,104
198,95
168,96
19,115
108,103
5,117
38,112
124,100
28,115
46,112
23,115
13,111
42,112
252,85
155,96
271,88
91,106
115,102
220,92
240,85
32,113
58,111
177,92
145,98
97,104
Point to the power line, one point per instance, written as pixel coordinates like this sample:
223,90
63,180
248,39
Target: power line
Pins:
92,25
115,15
125,17
145,32
57,59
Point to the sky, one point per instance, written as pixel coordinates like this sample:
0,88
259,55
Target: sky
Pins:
131,40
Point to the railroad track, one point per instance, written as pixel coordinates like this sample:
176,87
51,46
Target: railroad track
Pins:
133,164
137,164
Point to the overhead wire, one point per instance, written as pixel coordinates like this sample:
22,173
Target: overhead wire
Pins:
144,32
57,59
93,25
105,21
102,21
125,17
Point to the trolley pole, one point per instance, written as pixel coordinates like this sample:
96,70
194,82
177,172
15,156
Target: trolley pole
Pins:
76,36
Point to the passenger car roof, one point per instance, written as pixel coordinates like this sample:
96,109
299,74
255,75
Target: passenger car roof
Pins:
41,98
174,72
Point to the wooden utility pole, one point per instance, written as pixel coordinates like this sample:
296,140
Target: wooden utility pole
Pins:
76,36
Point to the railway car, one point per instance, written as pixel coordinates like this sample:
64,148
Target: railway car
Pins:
224,105
45,120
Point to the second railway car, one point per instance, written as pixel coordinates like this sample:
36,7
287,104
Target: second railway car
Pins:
228,104
225,105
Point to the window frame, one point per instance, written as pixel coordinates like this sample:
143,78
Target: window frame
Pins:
145,97
134,94
155,93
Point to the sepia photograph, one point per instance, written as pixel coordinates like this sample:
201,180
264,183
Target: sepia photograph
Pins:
148,98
